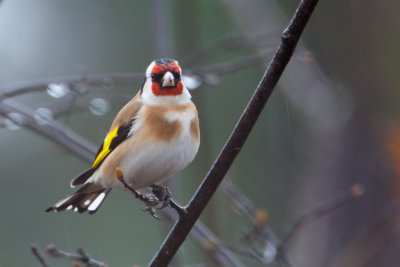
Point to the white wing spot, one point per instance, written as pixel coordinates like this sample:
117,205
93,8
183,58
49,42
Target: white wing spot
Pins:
69,207
87,202
96,203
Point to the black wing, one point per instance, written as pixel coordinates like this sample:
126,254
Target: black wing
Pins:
113,139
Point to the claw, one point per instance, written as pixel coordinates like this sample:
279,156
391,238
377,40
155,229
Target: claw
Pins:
163,194
152,212
151,200
158,199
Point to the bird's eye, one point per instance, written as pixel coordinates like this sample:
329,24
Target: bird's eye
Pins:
177,76
156,77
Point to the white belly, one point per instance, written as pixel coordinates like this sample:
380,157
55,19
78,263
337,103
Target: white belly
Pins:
157,161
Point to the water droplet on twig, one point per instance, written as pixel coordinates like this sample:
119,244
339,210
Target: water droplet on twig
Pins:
57,90
81,88
43,116
108,82
13,121
211,79
99,106
191,82
269,253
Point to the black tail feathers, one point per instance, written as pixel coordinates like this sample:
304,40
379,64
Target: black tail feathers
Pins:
82,178
87,199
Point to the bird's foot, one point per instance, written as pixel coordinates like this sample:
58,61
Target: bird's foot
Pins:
150,199
159,198
163,194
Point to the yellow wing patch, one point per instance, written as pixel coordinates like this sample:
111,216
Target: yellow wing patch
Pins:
106,147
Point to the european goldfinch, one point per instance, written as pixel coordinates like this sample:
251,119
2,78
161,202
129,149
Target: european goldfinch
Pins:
153,137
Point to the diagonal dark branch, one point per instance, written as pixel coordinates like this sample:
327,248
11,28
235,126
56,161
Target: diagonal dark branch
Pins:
39,256
182,227
80,256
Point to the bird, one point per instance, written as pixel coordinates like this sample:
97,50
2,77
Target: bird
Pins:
151,139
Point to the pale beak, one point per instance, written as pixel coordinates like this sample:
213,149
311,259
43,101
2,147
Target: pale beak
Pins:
168,80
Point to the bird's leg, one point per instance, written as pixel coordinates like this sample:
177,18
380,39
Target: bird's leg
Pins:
151,200
163,194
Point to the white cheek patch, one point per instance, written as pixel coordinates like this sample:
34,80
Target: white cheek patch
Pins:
149,69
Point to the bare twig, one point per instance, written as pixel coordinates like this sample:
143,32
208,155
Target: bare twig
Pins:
120,79
324,209
55,131
39,256
236,141
227,42
227,67
262,231
80,256
242,203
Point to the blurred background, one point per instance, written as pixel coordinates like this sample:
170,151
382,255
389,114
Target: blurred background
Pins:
67,67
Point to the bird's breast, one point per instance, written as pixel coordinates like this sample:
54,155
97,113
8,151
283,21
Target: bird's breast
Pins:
171,124
170,143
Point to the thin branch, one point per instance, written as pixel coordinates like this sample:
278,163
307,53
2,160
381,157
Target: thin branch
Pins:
80,256
120,79
55,131
262,231
228,67
182,227
39,256
324,209
225,43
241,201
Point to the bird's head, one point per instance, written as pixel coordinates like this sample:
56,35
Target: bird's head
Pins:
163,82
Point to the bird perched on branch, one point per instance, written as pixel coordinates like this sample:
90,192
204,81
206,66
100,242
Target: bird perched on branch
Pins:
153,137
